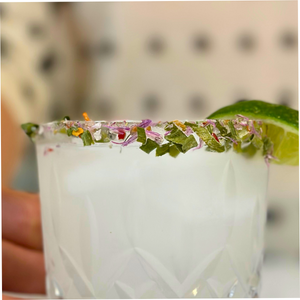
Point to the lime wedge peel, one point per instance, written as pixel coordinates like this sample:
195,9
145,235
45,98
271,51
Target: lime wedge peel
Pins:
272,129
260,110
281,126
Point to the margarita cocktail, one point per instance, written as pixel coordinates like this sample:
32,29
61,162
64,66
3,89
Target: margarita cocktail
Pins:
152,210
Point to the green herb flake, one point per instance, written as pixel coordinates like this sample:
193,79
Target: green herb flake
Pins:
257,142
228,144
176,136
63,130
174,151
141,135
243,134
209,128
232,130
192,125
69,131
223,130
209,140
169,126
178,146
189,143
162,150
30,129
65,118
87,138
237,147
249,151
149,146
267,145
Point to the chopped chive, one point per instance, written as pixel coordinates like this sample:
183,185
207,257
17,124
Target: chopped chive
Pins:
189,143
232,130
63,130
176,136
174,151
222,129
30,129
87,138
267,145
163,149
209,140
149,146
141,135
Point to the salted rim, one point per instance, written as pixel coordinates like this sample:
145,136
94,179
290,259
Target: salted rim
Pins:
133,122
170,137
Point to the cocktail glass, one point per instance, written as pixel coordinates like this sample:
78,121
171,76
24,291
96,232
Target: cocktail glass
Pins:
120,223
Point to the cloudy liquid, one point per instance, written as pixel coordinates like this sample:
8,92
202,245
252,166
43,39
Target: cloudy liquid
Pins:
125,224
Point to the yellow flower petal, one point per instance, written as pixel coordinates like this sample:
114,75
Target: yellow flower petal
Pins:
78,132
179,124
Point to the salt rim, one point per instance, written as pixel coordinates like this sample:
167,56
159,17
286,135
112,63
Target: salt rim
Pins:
173,137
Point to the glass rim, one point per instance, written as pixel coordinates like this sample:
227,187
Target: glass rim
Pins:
171,137
131,122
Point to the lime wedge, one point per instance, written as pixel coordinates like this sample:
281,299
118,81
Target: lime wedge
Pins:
281,126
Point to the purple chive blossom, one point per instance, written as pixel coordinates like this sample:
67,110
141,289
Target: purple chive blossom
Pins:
241,116
167,132
145,123
159,139
240,125
253,130
210,122
188,131
154,124
234,141
268,157
200,145
152,134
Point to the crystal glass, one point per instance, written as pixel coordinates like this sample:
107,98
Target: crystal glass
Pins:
120,223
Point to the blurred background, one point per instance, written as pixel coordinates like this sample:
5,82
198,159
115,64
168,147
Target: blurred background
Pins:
160,60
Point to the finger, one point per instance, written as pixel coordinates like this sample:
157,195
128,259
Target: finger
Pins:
6,297
23,270
21,219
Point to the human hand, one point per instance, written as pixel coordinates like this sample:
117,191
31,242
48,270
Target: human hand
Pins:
23,269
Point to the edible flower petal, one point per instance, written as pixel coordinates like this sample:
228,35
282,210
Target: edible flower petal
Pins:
77,132
86,117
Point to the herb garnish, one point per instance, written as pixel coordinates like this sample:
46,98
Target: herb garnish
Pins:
149,146
240,134
30,129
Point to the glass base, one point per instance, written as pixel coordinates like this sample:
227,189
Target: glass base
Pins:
146,283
